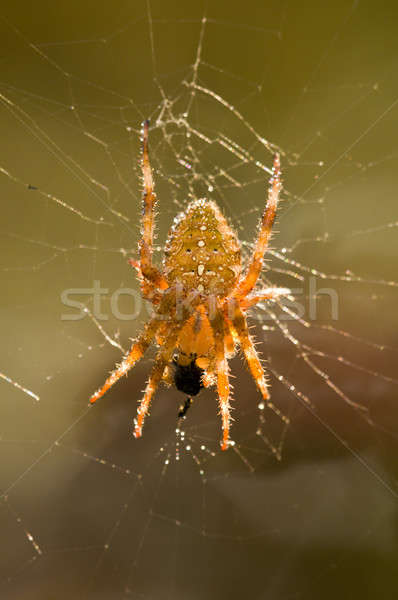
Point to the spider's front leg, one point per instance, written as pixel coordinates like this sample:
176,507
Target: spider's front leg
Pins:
222,369
162,360
241,330
158,327
239,324
147,268
132,357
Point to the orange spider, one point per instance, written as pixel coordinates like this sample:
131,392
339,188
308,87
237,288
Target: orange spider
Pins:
201,300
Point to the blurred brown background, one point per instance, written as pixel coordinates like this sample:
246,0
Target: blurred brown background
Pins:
108,518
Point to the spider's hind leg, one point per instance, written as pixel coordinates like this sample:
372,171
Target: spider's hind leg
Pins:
148,269
148,289
255,266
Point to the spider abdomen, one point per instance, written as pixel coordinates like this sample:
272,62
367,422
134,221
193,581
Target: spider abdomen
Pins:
202,251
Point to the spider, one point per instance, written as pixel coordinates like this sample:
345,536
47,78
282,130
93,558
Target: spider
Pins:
200,298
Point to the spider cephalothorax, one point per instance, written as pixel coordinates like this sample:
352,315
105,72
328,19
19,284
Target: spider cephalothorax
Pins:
200,300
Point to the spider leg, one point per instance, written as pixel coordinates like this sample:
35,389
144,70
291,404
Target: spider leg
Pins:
223,386
261,295
239,323
256,263
162,360
148,289
208,379
149,271
229,340
132,357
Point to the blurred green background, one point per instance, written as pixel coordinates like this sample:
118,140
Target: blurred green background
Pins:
86,511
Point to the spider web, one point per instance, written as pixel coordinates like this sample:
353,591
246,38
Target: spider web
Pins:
308,491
